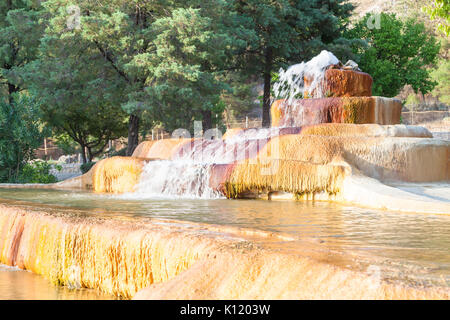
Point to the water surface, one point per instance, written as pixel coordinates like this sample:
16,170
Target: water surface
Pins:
16,284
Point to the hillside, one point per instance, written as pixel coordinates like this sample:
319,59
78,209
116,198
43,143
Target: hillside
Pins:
365,6
402,8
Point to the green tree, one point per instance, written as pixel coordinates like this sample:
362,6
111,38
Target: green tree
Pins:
441,73
123,33
79,88
440,9
106,38
164,72
20,33
442,77
72,101
243,98
398,53
37,172
285,32
72,84
187,72
21,131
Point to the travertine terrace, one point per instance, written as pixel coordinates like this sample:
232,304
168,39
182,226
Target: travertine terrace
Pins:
318,149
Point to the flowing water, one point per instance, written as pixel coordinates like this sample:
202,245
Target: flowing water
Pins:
188,173
403,248
291,82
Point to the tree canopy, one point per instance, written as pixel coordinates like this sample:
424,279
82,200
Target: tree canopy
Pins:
396,54
20,134
20,34
192,52
159,60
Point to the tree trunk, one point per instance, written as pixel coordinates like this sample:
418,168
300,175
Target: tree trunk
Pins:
207,121
90,155
267,84
133,134
83,153
11,89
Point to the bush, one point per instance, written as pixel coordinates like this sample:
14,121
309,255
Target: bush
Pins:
85,167
37,172
20,134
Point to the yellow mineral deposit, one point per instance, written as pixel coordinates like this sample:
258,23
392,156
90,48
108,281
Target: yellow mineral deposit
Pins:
144,260
366,130
116,174
117,257
356,110
238,273
288,176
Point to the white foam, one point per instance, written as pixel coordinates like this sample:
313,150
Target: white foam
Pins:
291,82
175,179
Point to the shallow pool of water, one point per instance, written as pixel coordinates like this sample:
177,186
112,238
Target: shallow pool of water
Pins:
16,284
405,247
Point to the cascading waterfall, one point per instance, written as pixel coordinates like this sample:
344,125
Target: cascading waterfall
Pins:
188,173
323,90
291,83
175,178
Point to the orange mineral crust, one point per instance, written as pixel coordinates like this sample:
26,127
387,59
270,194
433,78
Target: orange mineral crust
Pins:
357,110
342,83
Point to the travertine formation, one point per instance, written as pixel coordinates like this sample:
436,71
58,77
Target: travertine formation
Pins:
343,83
317,149
357,110
313,150
320,162
163,260
347,99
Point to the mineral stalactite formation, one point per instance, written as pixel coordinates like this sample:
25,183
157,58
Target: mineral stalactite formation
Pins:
117,257
356,110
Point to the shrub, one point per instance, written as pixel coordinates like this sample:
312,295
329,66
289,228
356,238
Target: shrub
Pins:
37,172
